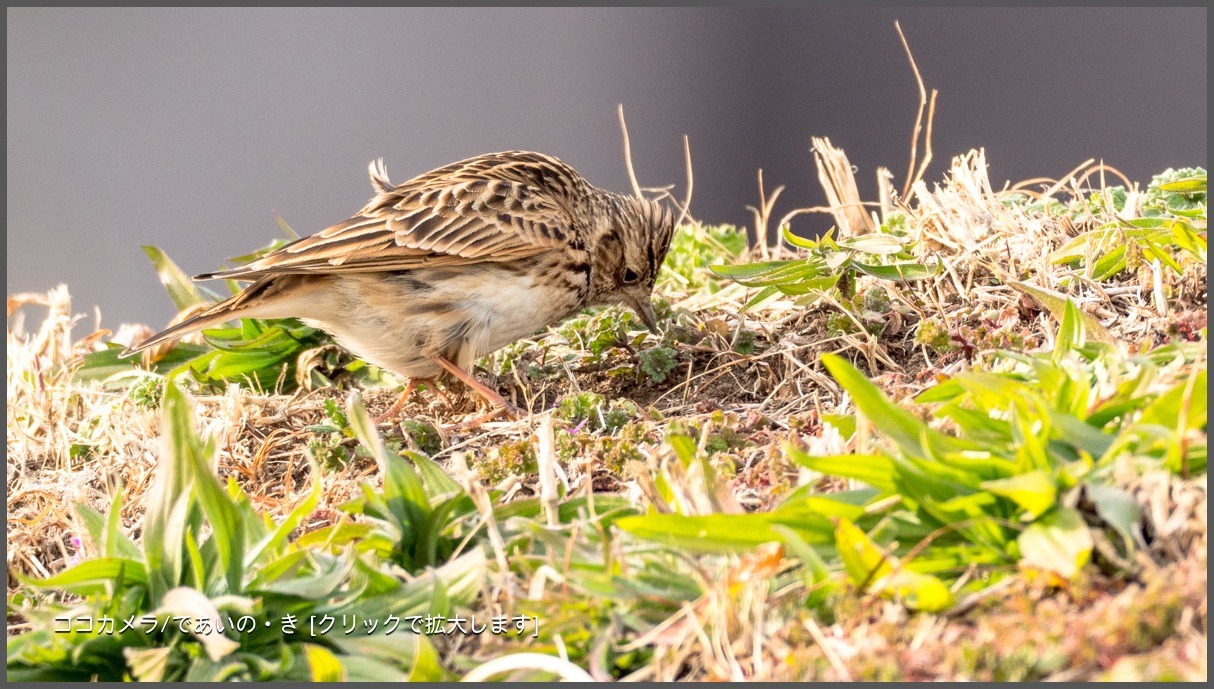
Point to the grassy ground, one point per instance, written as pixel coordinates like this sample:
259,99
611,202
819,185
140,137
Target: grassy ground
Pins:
1018,493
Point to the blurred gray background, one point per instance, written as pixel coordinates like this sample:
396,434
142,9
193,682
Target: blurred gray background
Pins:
190,128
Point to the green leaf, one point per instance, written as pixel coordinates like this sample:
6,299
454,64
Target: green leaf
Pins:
227,523
323,666
182,291
875,243
897,424
877,471
1166,410
96,576
898,272
1055,303
844,423
915,590
148,664
722,533
864,562
1034,491
1059,542
278,538
1071,332
1189,185
763,295
1116,507
746,271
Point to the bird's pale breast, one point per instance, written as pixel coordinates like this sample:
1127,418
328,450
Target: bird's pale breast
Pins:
400,321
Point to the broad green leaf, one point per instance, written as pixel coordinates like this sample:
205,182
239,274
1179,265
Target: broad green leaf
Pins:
943,391
1035,491
906,272
95,576
1071,333
1187,237
323,666
191,604
1116,507
763,295
1189,185
746,271
1059,542
1166,409
876,243
864,562
900,426
224,515
915,590
844,423
877,471
147,664
278,538
720,533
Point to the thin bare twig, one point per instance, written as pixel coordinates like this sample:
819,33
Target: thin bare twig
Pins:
632,175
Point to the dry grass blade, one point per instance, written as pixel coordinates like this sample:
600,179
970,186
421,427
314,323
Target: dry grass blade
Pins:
842,195
913,175
632,175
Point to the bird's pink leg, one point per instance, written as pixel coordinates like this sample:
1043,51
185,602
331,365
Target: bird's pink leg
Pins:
501,404
404,397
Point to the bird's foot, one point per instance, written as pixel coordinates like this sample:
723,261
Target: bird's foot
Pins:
410,387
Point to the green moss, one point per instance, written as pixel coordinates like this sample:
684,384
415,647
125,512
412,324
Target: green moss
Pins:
424,436
616,451
509,459
745,343
147,392
658,362
933,335
589,411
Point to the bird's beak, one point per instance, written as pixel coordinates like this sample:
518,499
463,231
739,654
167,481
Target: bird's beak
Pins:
644,309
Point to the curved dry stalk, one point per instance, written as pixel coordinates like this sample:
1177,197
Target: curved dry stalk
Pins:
911,175
1101,167
1020,186
1067,177
927,140
762,214
632,175
685,209
662,192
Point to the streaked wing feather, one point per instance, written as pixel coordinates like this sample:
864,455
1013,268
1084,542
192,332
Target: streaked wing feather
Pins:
432,220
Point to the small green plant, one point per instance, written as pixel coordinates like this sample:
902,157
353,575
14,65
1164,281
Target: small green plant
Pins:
658,362
147,392
1179,193
416,521
695,247
217,591
508,459
590,411
267,354
829,267
998,488
1171,230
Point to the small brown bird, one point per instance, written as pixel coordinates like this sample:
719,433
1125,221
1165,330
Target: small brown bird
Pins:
436,272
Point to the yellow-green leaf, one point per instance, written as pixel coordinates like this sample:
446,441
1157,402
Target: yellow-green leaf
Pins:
1034,491
863,560
1059,542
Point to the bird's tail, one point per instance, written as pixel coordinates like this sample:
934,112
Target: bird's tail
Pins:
236,306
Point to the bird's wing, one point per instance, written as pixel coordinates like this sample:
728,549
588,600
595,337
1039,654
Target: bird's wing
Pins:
452,216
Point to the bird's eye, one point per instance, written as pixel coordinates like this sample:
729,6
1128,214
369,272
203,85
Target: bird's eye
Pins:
630,276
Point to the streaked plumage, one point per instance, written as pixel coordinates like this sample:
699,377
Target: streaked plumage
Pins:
457,263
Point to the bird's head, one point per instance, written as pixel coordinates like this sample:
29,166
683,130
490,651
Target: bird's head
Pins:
628,245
